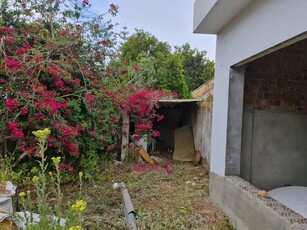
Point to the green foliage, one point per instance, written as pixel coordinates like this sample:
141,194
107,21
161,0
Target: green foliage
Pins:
171,76
142,43
6,172
180,71
48,195
53,59
89,161
197,68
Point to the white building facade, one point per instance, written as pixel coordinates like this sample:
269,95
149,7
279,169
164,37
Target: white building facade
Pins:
255,38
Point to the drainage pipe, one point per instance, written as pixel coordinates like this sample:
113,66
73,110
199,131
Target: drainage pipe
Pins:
130,214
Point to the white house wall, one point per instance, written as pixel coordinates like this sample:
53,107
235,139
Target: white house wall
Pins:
261,25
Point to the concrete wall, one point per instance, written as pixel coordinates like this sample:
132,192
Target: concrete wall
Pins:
277,153
235,114
262,25
201,126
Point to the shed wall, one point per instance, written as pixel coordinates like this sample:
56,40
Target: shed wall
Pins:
201,125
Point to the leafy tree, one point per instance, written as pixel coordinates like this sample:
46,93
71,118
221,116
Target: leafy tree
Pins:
197,68
157,65
53,73
143,43
171,77
180,71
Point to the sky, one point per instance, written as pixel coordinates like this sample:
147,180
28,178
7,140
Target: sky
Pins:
169,20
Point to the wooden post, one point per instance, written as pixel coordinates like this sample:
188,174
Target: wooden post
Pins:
125,137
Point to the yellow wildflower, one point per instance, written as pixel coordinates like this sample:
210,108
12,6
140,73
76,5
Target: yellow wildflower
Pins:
42,134
75,228
22,194
35,179
80,174
79,206
56,160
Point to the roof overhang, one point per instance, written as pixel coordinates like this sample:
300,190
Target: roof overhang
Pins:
210,16
173,102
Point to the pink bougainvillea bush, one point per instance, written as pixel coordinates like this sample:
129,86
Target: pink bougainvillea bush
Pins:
53,73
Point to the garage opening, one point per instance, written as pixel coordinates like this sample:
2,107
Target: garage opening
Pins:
274,128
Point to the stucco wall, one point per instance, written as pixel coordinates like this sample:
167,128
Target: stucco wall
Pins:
201,125
260,26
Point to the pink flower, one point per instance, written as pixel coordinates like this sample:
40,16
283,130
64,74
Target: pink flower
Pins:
6,30
90,98
23,148
21,50
71,169
63,167
75,82
9,40
24,111
175,94
168,168
51,141
39,116
12,64
92,133
170,171
110,148
50,105
39,59
16,131
12,125
86,2
73,148
54,71
156,133
114,119
59,83
70,132
160,118
11,104
68,112
30,150
135,68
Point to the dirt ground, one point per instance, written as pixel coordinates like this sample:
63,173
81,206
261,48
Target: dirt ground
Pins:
167,195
